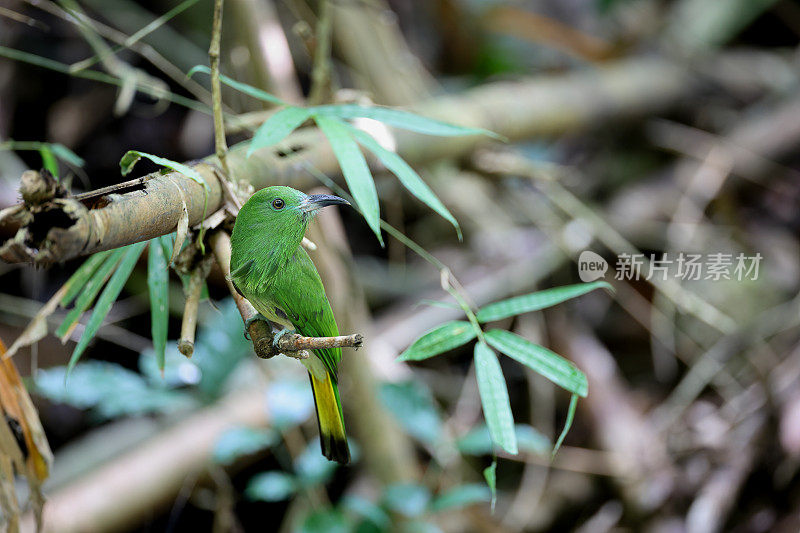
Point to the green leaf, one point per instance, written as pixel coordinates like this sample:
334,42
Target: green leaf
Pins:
366,509
81,276
549,364
90,291
438,340
490,475
64,153
239,86
408,499
49,160
178,371
478,441
167,244
131,157
355,170
108,389
289,402
241,441
271,487
407,176
537,300
494,398
107,299
462,496
412,405
401,119
311,467
325,521
158,283
277,127
573,404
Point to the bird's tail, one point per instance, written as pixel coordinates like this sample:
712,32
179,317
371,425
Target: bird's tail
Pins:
332,437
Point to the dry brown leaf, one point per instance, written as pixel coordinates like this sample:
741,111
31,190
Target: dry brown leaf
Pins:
183,227
37,328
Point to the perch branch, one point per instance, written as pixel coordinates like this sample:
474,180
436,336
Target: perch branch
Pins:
294,342
537,107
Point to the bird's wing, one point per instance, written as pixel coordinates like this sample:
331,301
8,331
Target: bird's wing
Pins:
299,292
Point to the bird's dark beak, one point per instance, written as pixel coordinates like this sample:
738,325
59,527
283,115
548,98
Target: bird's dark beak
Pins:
315,202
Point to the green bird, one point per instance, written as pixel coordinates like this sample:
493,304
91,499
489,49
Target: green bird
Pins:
270,268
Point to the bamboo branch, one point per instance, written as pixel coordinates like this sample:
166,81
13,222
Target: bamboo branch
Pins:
543,106
321,75
220,145
193,293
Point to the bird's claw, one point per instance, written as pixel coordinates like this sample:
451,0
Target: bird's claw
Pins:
280,334
257,316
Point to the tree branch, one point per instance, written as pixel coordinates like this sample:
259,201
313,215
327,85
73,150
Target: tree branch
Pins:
294,342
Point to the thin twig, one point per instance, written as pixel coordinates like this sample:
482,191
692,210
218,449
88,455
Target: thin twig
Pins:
294,342
216,92
321,75
189,324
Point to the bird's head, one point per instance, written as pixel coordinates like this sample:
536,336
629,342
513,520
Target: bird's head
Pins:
283,212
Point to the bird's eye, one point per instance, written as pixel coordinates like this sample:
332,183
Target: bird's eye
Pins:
277,203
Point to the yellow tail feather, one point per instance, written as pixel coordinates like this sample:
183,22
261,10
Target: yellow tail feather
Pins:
332,437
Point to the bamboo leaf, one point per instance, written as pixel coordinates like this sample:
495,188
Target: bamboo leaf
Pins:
537,300
37,328
407,499
407,176
90,291
490,475
478,441
131,157
549,364
277,127
167,244
64,153
355,170
401,119
271,487
158,282
438,340
107,299
462,496
573,404
241,441
494,398
82,275
49,160
239,86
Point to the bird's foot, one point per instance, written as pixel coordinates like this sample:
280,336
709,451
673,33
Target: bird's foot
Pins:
257,316
280,334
